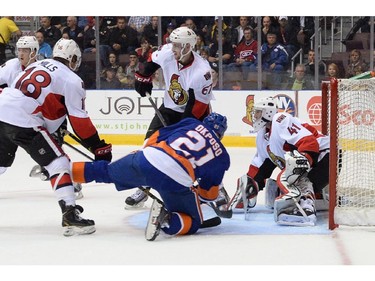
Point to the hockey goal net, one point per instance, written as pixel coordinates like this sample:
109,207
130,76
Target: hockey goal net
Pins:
348,117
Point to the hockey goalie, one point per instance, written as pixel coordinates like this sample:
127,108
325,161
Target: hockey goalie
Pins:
301,153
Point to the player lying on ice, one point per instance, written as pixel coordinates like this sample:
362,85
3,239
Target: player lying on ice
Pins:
302,154
172,159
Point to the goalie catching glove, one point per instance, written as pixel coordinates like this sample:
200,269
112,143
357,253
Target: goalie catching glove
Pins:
102,151
296,165
142,84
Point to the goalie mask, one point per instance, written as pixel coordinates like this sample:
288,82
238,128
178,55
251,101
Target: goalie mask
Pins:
68,49
216,122
263,112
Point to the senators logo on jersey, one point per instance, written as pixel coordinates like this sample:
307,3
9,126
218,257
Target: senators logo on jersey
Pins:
176,92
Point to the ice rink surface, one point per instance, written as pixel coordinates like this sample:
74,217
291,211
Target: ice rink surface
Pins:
31,233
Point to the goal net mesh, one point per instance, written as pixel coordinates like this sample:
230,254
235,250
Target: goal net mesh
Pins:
355,144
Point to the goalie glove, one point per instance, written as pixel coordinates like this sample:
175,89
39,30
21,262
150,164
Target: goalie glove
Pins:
142,84
251,189
295,165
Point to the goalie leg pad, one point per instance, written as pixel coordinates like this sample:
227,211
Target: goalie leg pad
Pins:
272,191
293,208
322,199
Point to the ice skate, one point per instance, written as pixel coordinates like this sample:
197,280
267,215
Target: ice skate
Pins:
73,223
158,217
136,200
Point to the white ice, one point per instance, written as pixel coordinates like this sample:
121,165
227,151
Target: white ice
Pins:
31,232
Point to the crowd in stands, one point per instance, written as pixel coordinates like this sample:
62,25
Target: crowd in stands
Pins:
125,43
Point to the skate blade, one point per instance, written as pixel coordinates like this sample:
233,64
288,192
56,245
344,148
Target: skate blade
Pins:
79,195
140,205
36,172
153,227
74,230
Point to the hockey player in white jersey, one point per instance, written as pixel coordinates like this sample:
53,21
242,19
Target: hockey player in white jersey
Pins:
35,106
188,89
302,154
27,51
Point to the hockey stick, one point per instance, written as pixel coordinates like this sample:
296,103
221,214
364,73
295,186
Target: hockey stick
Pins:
79,151
74,137
215,221
227,214
157,111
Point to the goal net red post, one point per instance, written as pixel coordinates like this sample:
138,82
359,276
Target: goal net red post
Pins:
348,117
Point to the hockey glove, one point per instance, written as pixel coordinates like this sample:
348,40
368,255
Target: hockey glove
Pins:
142,84
60,133
102,151
295,165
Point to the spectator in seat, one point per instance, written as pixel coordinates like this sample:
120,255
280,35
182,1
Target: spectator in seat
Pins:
238,32
123,38
274,56
114,64
130,69
245,53
200,44
300,81
89,39
310,65
213,32
75,32
227,50
110,81
150,31
145,51
45,50
356,64
50,32
287,35
170,28
204,53
267,26
332,72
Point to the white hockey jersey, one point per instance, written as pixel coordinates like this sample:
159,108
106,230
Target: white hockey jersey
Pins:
179,79
44,95
9,71
289,133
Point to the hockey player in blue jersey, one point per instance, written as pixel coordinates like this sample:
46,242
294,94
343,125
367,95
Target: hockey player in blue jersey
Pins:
172,160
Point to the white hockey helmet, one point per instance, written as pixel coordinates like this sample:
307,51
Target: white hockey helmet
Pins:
184,35
268,108
28,42
69,50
